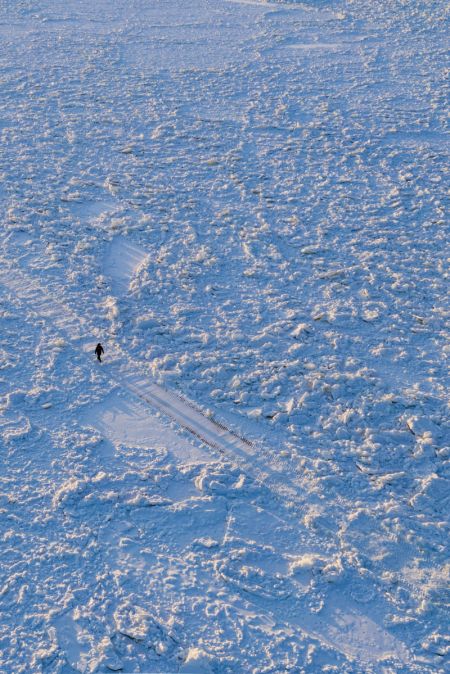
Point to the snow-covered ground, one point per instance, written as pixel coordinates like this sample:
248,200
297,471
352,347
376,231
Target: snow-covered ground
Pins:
245,202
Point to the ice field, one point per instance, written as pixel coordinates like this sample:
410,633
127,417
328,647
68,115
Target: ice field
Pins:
246,203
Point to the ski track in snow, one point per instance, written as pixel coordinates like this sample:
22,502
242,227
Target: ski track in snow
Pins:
123,262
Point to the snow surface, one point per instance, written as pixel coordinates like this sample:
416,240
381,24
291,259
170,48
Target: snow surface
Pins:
245,202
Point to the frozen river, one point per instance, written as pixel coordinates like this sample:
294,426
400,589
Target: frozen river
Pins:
245,202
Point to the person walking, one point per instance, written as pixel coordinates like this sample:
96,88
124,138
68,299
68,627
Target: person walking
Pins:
98,351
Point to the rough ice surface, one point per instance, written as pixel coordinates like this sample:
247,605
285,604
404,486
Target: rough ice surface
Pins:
246,203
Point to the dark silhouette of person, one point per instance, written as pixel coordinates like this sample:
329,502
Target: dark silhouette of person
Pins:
98,351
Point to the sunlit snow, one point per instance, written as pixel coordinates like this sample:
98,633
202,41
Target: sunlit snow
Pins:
245,203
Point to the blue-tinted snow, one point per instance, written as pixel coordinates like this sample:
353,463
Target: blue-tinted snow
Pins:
246,202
